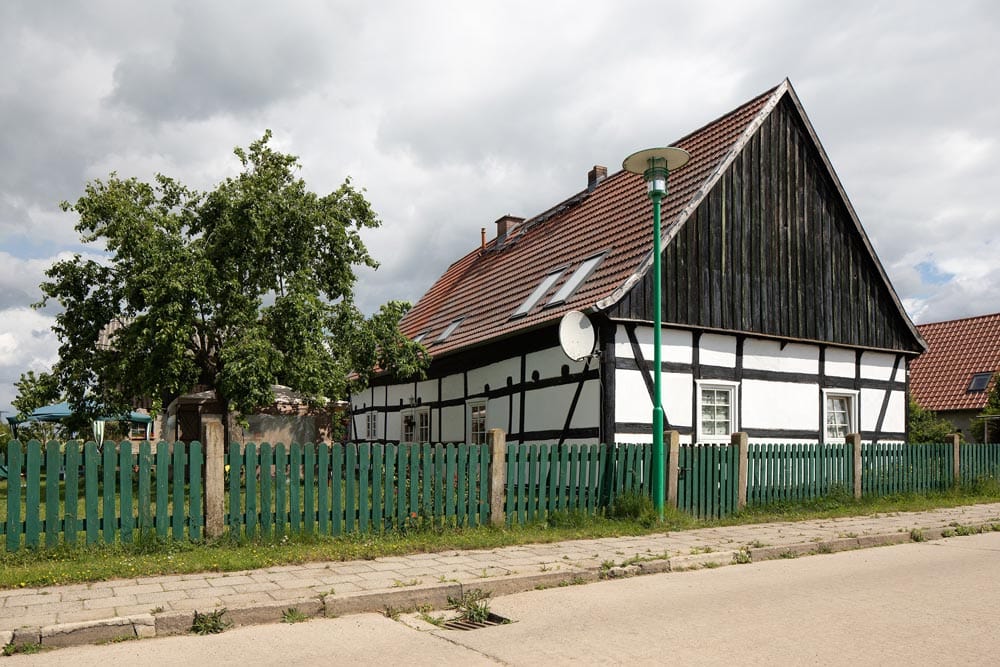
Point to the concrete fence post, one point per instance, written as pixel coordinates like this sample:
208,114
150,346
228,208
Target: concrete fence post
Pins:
498,476
672,440
741,442
854,439
215,478
956,457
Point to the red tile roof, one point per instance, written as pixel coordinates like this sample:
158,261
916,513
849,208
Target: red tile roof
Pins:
957,350
487,287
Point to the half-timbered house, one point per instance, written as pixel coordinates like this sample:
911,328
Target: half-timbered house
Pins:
779,319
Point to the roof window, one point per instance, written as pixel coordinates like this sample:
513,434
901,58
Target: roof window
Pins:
579,276
547,282
449,330
979,383
420,336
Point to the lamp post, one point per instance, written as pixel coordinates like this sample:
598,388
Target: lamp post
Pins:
655,165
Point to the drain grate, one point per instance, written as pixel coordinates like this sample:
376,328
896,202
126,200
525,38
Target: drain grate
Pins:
462,624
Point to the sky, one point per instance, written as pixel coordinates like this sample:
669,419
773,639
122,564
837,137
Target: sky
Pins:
452,114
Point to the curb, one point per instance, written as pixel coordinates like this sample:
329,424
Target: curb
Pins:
437,596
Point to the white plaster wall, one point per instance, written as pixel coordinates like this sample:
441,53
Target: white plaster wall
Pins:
452,386
877,365
632,402
452,423
494,375
895,415
427,391
839,362
871,403
675,344
678,393
717,350
546,409
785,405
549,364
767,355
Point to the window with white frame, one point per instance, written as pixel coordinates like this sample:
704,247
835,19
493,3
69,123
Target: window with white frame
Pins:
477,422
416,426
840,414
716,411
371,425
424,425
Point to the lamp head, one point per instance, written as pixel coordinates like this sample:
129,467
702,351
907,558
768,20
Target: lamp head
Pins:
655,165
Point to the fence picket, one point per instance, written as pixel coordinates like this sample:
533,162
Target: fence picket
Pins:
337,489
72,493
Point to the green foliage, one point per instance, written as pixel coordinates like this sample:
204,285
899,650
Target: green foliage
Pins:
633,507
989,427
473,606
926,426
211,623
293,615
236,289
35,391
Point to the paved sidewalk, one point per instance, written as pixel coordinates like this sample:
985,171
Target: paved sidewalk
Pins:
163,605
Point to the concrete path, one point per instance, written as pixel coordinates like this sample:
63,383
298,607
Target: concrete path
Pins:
155,606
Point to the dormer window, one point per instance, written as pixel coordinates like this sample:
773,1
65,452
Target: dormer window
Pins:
979,383
579,276
547,282
449,330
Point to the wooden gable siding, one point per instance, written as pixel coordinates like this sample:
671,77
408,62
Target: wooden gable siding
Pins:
773,250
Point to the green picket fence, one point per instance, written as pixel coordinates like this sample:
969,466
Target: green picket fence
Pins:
63,493
543,478
338,489
707,479
979,461
795,472
888,468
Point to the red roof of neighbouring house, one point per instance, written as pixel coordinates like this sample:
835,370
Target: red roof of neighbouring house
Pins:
487,286
957,350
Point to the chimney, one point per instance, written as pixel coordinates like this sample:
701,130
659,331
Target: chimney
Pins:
504,225
596,175
482,239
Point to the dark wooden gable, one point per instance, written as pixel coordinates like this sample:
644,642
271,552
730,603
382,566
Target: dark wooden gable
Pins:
774,249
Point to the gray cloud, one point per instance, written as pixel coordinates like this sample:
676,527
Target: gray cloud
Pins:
452,114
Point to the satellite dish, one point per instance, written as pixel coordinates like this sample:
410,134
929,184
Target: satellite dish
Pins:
576,335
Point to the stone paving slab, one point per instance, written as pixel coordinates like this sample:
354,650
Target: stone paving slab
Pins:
150,606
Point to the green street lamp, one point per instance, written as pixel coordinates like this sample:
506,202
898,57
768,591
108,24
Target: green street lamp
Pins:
655,165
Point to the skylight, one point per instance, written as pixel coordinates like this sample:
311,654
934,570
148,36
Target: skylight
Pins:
420,336
979,382
449,330
579,276
536,296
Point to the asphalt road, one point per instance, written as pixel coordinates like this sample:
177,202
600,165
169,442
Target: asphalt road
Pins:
931,603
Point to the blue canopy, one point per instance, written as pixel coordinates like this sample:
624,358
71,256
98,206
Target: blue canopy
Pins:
59,411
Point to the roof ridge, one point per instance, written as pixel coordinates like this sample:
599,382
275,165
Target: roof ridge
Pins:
959,319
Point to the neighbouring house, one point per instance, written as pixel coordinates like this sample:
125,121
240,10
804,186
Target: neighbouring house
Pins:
779,319
956,374
290,418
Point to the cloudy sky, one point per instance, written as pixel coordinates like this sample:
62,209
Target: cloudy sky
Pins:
452,114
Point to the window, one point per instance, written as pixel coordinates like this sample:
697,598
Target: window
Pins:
979,383
536,296
420,336
449,330
424,425
839,414
581,274
371,426
716,411
416,425
477,423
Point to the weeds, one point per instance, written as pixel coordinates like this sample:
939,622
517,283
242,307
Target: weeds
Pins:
473,606
742,557
293,615
211,623
25,649
917,535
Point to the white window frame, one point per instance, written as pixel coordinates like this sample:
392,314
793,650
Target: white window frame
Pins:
853,413
470,407
417,415
371,425
732,388
423,425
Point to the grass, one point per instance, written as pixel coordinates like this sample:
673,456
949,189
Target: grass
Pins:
150,556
